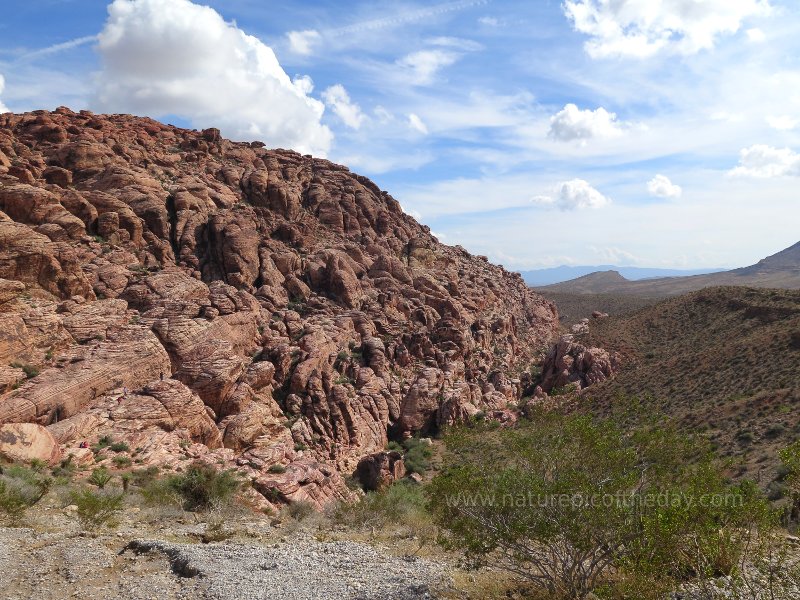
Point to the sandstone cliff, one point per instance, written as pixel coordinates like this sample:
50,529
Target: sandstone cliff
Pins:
198,297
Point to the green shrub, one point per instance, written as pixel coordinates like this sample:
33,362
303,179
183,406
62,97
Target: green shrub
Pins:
122,461
100,477
65,470
774,431
203,487
394,447
215,530
119,447
96,508
103,442
418,455
276,468
300,510
21,488
158,492
142,477
401,503
30,370
37,465
572,503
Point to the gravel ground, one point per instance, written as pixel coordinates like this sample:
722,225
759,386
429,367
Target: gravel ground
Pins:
301,570
57,566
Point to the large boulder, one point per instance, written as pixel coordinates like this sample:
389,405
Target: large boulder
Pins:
24,442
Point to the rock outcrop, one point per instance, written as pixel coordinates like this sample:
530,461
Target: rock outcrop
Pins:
380,470
572,364
217,300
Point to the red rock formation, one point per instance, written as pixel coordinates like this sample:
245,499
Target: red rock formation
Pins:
297,316
380,470
570,363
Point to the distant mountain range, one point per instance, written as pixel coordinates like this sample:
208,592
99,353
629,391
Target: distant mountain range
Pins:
539,277
781,270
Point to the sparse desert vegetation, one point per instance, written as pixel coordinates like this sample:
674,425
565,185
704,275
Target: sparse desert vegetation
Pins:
720,362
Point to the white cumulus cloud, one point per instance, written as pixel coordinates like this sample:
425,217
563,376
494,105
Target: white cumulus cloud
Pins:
572,123
661,187
572,195
765,161
337,98
303,42
174,57
3,107
422,66
642,28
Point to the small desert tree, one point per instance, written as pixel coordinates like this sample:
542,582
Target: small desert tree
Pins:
573,504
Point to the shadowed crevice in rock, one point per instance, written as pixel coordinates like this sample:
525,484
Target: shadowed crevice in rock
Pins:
173,227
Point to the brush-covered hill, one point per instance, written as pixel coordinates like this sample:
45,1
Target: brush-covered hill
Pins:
724,361
781,270
196,298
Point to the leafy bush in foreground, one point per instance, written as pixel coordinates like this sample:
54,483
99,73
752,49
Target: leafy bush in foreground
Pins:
21,488
96,508
578,506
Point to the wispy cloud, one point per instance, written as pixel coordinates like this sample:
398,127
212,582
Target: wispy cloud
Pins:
422,66
403,18
643,29
416,124
306,42
56,48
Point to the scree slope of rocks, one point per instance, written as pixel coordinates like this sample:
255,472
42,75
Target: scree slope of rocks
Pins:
192,296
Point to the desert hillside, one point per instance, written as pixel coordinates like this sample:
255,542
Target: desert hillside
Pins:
199,298
722,361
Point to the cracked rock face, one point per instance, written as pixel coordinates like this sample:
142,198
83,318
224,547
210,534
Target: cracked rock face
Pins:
195,296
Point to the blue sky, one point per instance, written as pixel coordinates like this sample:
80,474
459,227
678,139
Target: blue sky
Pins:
637,132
